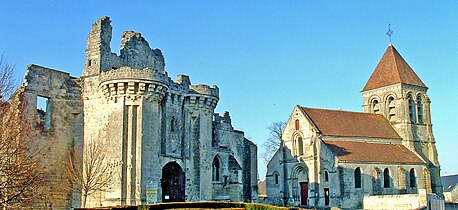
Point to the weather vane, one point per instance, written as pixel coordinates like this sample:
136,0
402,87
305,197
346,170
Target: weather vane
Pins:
389,31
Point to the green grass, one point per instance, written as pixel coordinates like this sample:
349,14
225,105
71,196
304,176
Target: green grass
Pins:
196,205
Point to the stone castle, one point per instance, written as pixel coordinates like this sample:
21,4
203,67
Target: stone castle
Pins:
382,158
162,138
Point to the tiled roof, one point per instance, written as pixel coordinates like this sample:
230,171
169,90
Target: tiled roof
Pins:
392,69
449,182
351,124
353,151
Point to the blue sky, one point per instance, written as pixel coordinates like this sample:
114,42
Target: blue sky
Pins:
265,56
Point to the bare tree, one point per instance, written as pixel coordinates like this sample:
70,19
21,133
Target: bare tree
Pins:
273,142
7,81
91,173
21,150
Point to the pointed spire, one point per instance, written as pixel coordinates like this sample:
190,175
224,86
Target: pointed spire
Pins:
392,69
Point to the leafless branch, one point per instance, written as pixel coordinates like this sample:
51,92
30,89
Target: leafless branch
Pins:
273,142
91,173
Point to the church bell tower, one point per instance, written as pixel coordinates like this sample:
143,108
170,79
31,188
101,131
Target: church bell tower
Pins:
395,91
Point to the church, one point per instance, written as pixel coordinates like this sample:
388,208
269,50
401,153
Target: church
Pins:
384,157
162,139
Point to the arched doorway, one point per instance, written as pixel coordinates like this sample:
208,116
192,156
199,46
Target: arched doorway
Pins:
300,188
173,183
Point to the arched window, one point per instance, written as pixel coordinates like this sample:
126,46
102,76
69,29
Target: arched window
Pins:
300,145
297,125
358,177
276,178
391,108
386,178
411,108
419,109
326,176
375,106
413,180
216,169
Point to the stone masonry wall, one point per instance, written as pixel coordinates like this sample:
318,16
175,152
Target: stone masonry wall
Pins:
64,113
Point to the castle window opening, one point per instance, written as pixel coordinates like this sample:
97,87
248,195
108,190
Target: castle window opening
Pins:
44,111
172,124
276,178
216,169
358,177
326,176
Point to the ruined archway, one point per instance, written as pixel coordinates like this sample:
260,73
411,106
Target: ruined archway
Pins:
173,183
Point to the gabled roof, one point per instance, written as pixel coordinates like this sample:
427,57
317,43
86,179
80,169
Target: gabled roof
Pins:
350,124
354,151
449,182
392,69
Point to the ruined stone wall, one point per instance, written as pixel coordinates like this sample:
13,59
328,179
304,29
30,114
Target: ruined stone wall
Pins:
238,162
64,126
250,172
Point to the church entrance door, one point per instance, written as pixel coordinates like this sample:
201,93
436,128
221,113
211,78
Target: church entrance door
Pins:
304,193
173,183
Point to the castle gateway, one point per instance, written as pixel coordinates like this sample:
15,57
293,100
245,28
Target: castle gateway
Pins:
162,140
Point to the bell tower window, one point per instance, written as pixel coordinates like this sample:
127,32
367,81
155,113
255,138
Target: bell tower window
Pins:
419,109
375,106
411,108
391,108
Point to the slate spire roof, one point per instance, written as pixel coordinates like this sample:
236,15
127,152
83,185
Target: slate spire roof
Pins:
392,69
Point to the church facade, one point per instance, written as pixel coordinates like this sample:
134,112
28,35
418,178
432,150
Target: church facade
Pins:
162,140
334,158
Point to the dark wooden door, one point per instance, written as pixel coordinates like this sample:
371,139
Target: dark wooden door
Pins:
326,196
173,183
304,192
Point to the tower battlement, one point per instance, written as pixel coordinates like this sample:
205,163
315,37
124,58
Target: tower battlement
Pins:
135,51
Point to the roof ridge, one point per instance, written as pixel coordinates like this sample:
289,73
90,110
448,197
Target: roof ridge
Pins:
396,62
340,110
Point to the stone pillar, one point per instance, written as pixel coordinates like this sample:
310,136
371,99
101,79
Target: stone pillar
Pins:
149,164
201,110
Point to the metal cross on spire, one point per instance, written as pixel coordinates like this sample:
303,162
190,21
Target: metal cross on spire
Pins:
389,31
